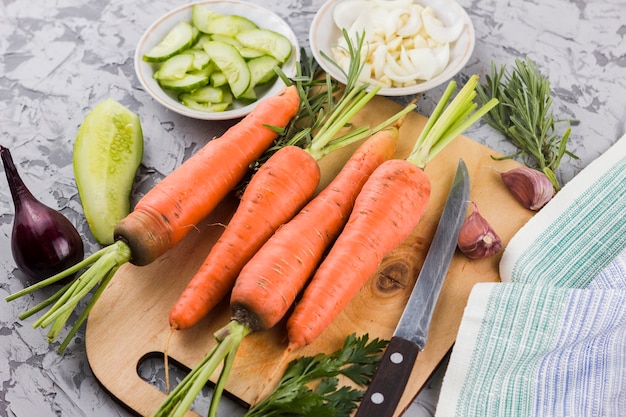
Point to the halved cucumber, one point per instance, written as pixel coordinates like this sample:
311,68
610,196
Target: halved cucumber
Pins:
107,154
269,42
229,61
177,40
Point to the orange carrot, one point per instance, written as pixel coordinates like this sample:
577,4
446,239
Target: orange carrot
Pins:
262,286
170,210
389,207
274,195
220,269
186,196
271,280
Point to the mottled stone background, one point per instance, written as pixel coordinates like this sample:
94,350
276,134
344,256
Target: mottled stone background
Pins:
59,58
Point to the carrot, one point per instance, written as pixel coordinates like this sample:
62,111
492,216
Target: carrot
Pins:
276,192
244,318
245,234
169,211
263,292
265,207
186,196
389,207
290,256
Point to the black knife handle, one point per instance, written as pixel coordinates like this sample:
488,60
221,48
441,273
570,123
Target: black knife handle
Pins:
387,386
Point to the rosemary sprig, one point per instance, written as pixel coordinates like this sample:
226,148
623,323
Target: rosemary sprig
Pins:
525,117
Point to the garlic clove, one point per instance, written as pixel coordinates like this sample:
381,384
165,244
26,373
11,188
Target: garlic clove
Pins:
477,239
531,187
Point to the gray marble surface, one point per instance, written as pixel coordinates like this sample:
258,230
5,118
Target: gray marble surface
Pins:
59,58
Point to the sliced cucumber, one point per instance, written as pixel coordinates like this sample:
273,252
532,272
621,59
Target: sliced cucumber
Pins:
199,43
230,62
107,154
246,53
262,69
188,83
229,25
200,58
216,50
218,79
175,68
267,41
261,72
201,16
207,94
175,41
208,107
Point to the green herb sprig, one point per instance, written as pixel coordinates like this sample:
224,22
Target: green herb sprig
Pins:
310,385
525,117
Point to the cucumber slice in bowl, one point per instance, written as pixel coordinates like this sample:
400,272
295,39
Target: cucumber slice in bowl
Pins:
230,62
267,41
178,39
107,154
262,17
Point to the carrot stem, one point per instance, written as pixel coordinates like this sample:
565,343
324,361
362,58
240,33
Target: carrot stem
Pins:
448,120
104,263
180,399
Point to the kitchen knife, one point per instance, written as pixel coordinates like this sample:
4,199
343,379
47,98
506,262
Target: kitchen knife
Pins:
388,383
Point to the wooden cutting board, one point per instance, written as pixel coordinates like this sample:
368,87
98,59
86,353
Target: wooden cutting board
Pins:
130,321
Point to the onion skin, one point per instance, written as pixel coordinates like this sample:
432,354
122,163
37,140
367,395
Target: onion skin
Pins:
43,241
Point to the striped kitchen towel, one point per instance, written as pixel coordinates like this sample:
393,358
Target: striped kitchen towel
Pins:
578,232
550,340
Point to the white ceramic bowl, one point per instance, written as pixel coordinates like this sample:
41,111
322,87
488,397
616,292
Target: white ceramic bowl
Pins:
324,35
262,17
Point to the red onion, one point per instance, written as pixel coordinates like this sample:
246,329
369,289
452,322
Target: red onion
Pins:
43,242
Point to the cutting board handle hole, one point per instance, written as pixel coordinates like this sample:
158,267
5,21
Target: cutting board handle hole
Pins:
151,369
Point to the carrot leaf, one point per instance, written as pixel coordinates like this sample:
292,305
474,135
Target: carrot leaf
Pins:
310,385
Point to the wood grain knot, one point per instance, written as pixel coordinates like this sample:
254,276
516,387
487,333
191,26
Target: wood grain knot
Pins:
393,277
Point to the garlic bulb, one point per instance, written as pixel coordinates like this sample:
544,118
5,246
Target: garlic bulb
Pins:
532,188
477,239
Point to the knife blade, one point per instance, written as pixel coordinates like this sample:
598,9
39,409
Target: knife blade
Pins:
409,338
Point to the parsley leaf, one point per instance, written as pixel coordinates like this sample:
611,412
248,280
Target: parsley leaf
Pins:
310,385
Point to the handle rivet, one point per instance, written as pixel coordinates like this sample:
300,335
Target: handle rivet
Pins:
396,357
377,398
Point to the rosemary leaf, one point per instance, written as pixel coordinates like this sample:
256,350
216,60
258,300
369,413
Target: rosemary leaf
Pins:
525,116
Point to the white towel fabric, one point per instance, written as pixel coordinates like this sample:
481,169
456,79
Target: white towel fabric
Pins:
550,340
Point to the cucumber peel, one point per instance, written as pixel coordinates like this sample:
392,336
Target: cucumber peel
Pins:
107,153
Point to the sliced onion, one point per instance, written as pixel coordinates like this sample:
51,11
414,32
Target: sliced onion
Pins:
406,42
425,61
346,12
414,22
442,55
436,29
